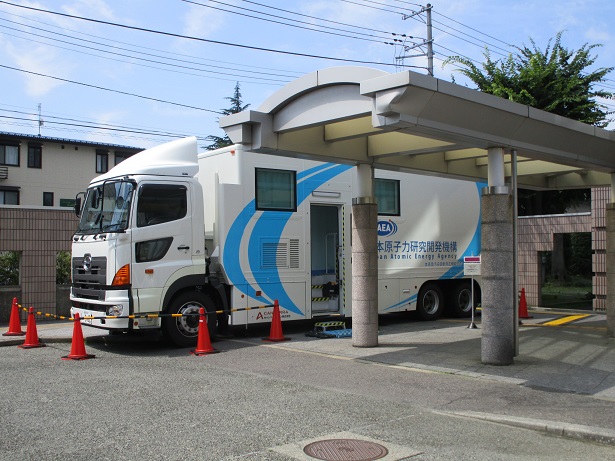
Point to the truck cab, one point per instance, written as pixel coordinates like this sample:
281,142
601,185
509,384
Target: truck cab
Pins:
139,245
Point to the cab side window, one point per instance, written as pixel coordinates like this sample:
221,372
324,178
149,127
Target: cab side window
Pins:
161,203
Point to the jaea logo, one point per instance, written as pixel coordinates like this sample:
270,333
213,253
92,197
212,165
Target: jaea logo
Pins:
386,228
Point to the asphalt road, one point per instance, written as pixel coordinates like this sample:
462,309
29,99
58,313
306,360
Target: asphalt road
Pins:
140,399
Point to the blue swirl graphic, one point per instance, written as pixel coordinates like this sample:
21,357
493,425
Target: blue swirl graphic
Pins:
270,224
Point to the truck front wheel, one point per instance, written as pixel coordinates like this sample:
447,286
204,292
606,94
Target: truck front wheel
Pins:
430,302
183,331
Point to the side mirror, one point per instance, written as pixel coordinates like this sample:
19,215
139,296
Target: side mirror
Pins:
78,206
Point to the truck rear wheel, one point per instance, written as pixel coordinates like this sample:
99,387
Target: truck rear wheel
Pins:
461,300
430,302
183,331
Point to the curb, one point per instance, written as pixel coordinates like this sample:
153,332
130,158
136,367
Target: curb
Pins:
575,431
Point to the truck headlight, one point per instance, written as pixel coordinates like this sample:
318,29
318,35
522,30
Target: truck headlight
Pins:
115,311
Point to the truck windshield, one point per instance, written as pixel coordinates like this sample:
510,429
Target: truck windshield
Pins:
106,208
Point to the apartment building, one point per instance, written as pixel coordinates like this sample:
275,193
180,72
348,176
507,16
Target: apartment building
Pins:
38,171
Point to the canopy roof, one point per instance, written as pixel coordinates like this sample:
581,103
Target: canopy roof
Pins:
413,122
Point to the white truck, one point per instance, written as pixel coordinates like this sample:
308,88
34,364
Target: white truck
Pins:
277,228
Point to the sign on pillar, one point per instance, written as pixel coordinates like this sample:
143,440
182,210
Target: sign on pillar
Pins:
471,267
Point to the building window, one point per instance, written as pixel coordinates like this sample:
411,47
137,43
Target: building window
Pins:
9,154
35,155
9,196
276,190
102,161
120,157
47,198
386,192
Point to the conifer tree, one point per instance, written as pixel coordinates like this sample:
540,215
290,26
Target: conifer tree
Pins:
237,105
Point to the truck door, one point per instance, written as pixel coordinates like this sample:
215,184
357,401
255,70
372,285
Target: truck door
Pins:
162,236
326,264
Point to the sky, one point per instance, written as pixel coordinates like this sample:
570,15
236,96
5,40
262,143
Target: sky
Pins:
142,72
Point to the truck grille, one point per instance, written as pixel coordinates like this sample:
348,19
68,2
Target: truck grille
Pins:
90,284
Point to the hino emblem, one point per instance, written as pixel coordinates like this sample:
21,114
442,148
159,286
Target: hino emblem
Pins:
87,262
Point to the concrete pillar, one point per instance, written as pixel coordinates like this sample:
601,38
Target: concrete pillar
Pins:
495,167
610,268
365,180
364,272
497,267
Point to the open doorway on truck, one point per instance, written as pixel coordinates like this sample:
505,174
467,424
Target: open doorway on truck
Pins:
326,270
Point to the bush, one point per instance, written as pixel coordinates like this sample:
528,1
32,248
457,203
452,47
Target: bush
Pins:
9,268
63,268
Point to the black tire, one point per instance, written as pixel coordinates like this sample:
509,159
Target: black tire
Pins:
461,300
183,331
430,303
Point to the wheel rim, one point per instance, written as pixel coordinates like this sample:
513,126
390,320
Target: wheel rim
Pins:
431,302
189,325
464,300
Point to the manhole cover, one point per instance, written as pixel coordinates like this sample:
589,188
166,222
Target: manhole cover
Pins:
345,450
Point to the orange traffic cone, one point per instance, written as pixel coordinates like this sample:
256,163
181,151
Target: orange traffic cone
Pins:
31,333
203,343
523,306
275,334
14,322
77,347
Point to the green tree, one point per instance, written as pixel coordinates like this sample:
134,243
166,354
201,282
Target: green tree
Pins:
9,268
237,105
63,261
556,80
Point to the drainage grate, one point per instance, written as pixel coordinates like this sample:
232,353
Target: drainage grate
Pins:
345,450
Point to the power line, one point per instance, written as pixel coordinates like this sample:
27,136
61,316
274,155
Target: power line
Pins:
100,130
373,7
83,123
319,19
34,122
475,30
109,89
139,48
187,37
267,19
138,58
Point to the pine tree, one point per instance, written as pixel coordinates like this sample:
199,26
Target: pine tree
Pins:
236,106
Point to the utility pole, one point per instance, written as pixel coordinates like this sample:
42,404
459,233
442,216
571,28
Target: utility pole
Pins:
426,44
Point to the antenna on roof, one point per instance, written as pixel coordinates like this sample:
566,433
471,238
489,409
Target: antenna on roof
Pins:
41,122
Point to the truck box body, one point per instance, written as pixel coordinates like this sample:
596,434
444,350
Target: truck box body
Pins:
291,256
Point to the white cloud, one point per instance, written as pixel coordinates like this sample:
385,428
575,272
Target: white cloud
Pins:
600,35
202,22
98,9
41,60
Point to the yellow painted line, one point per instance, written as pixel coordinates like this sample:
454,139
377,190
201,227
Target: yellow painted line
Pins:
565,320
